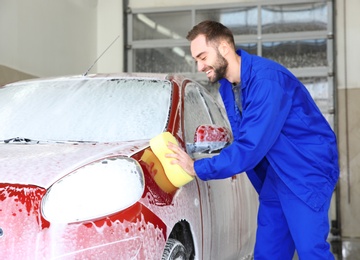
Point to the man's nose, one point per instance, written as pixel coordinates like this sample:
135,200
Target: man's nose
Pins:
200,66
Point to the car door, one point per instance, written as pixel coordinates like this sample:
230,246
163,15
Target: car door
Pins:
229,206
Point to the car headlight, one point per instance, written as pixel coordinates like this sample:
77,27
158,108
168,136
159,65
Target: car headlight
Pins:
93,191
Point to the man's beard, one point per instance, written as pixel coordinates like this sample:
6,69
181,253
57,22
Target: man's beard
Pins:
220,68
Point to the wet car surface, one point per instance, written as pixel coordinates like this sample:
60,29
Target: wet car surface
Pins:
78,179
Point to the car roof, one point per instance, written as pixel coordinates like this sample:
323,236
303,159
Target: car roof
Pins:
158,76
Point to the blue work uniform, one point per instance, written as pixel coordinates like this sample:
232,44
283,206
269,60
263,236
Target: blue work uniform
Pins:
289,152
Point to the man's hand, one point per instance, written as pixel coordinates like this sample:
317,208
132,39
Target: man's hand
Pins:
181,158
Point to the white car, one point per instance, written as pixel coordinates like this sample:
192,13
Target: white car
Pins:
78,179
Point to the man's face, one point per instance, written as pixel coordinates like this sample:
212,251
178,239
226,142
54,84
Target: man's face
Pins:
209,59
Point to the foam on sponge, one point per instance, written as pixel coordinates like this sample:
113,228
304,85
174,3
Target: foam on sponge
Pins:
176,175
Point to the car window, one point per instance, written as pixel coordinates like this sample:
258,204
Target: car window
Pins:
85,109
196,111
217,112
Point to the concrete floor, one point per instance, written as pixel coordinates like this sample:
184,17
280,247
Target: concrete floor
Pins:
346,248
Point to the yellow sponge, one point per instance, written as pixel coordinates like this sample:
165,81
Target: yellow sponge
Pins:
176,175
157,171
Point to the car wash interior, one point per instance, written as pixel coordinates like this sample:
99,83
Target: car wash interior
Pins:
316,39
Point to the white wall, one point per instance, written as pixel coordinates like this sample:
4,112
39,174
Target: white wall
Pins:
348,85
48,38
110,26
348,42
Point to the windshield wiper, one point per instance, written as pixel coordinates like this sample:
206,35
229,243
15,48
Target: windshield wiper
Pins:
20,140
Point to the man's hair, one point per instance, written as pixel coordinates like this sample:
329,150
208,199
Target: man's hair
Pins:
213,31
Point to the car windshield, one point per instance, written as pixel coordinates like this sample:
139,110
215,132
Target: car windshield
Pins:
85,109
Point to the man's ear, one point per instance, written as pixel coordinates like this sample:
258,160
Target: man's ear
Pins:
224,48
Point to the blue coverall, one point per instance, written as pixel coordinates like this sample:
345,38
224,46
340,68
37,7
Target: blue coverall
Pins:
289,152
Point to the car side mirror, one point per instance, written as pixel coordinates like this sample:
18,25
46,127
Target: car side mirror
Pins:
209,139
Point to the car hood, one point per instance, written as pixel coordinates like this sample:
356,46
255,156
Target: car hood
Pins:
43,164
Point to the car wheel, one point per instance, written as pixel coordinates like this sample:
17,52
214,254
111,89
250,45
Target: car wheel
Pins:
174,250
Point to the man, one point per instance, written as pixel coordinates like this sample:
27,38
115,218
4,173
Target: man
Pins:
281,140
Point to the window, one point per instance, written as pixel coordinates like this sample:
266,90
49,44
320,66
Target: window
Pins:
295,33
200,105
195,111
